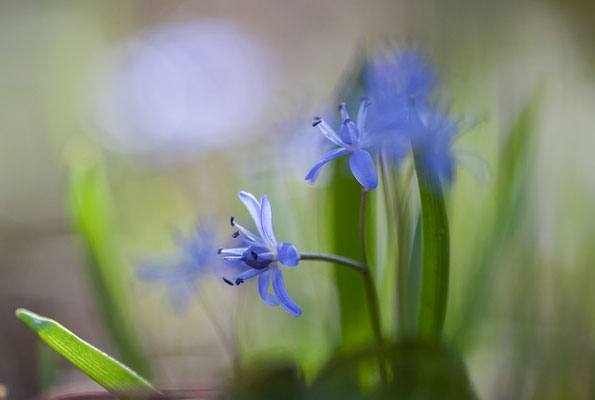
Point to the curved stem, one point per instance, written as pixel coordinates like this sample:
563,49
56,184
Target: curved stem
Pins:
348,262
370,287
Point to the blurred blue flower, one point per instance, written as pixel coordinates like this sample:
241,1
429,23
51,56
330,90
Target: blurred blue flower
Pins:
392,79
183,272
353,138
402,84
431,136
261,254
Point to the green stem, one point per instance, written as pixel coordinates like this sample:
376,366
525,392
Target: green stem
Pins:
363,268
348,262
405,319
435,253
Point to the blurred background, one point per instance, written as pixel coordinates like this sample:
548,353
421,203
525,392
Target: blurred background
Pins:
124,121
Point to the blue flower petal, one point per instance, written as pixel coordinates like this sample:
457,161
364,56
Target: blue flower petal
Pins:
264,280
279,286
328,132
235,251
345,133
362,115
362,166
353,132
253,208
415,122
248,274
343,110
249,235
288,255
313,174
266,221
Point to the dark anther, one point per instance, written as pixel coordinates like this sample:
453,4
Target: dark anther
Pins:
364,98
235,234
239,281
254,255
347,120
220,250
231,220
340,106
318,121
230,283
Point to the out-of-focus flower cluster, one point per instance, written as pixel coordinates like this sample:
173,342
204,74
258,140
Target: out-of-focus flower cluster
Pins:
405,112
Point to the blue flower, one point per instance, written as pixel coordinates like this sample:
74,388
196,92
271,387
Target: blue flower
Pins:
395,77
403,86
353,138
431,134
392,80
185,269
262,254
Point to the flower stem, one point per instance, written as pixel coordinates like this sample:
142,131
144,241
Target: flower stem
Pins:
348,262
370,287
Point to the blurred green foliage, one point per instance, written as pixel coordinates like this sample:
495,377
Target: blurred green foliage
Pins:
93,216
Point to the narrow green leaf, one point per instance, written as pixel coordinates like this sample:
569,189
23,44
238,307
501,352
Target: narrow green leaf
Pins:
355,326
406,306
435,254
103,369
414,279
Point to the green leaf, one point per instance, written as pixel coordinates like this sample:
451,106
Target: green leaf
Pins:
356,329
103,369
414,269
435,254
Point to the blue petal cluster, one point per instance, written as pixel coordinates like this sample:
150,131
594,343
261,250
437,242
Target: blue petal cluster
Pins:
352,138
404,87
184,271
261,255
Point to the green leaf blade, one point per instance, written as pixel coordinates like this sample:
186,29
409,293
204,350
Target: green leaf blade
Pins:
435,254
97,365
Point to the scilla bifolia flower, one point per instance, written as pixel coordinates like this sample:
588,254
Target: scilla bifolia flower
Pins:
262,254
405,91
353,138
431,135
